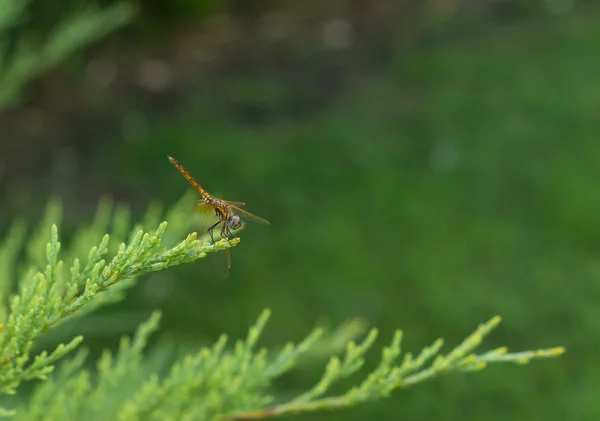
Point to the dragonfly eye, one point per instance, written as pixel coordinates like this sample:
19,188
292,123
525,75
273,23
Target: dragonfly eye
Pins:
235,222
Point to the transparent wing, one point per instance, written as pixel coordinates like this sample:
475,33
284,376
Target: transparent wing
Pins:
227,264
204,208
205,218
250,216
221,262
235,203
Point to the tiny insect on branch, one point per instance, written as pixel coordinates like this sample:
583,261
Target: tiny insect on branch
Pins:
222,209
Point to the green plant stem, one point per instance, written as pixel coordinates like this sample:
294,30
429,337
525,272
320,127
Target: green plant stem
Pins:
288,408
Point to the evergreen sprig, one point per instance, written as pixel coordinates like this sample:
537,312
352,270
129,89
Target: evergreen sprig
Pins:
389,376
25,54
232,383
221,382
47,297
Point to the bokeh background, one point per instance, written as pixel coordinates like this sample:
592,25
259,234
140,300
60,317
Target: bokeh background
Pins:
424,165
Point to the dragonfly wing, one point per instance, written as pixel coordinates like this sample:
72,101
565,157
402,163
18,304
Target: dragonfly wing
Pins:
204,208
250,216
240,204
206,218
227,262
221,262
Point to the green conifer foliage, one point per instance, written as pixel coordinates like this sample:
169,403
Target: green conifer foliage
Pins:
226,381
25,53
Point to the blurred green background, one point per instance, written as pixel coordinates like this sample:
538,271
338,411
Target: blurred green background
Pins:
424,165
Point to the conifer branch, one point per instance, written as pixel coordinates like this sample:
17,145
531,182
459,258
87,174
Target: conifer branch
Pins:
23,55
47,297
231,383
226,381
389,376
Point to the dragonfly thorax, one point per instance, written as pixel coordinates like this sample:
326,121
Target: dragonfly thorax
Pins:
235,222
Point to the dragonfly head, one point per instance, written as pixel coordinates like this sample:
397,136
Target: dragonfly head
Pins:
235,222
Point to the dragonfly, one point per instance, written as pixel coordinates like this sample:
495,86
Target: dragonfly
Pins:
227,212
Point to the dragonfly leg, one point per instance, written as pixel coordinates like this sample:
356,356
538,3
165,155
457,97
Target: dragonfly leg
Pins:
210,231
225,233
